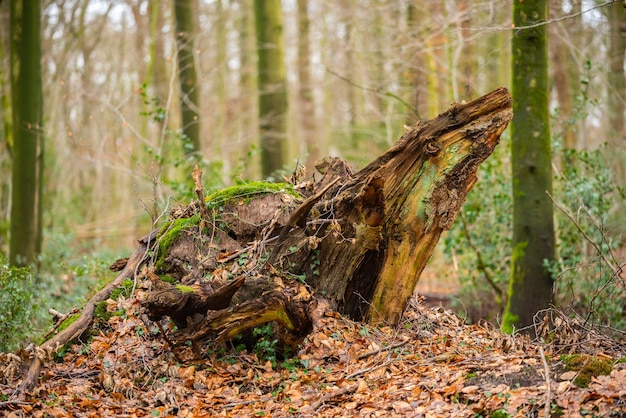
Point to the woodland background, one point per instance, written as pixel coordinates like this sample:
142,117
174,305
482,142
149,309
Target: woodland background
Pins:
357,72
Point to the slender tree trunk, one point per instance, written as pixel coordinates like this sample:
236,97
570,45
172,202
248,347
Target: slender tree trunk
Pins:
6,132
27,102
354,99
530,286
305,92
156,74
247,86
272,80
617,85
186,32
416,71
561,64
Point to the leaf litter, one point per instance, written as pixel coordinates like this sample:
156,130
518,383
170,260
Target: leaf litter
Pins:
431,365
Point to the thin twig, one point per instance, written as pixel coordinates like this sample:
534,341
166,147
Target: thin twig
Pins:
335,394
380,350
369,369
547,378
587,237
14,402
248,402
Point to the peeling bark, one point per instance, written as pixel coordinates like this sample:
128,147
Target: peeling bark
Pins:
356,242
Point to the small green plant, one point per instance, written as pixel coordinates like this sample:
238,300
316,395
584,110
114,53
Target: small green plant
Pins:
500,413
16,305
587,238
266,344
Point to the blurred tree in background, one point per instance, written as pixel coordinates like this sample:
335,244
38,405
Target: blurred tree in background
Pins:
27,133
187,43
272,84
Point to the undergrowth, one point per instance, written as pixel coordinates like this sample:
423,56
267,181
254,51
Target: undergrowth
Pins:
588,230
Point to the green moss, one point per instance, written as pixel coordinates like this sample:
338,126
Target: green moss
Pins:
587,367
248,191
185,289
508,321
169,233
101,311
168,279
102,315
510,318
67,322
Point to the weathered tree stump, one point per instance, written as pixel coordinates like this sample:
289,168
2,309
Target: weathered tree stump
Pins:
359,240
264,252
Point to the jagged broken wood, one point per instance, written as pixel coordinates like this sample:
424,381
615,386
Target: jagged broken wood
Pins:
359,241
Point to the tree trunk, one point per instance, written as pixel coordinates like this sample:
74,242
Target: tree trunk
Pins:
530,286
272,77
27,112
186,32
359,240
305,92
617,86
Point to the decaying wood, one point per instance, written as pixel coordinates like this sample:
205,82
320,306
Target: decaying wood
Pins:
166,299
378,227
288,306
357,242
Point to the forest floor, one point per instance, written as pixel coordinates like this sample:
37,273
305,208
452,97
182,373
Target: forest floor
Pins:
432,365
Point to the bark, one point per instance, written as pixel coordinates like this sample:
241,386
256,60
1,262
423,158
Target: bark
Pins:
530,285
617,86
27,113
272,80
354,242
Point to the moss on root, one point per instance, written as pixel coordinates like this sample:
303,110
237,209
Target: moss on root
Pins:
68,321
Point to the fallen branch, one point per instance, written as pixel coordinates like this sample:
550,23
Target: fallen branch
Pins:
81,324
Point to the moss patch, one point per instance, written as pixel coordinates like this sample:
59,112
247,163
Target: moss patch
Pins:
185,289
169,233
168,279
124,290
68,321
248,191
102,315
587,367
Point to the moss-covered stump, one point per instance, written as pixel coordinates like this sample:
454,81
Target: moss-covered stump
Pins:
359,240
263,252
